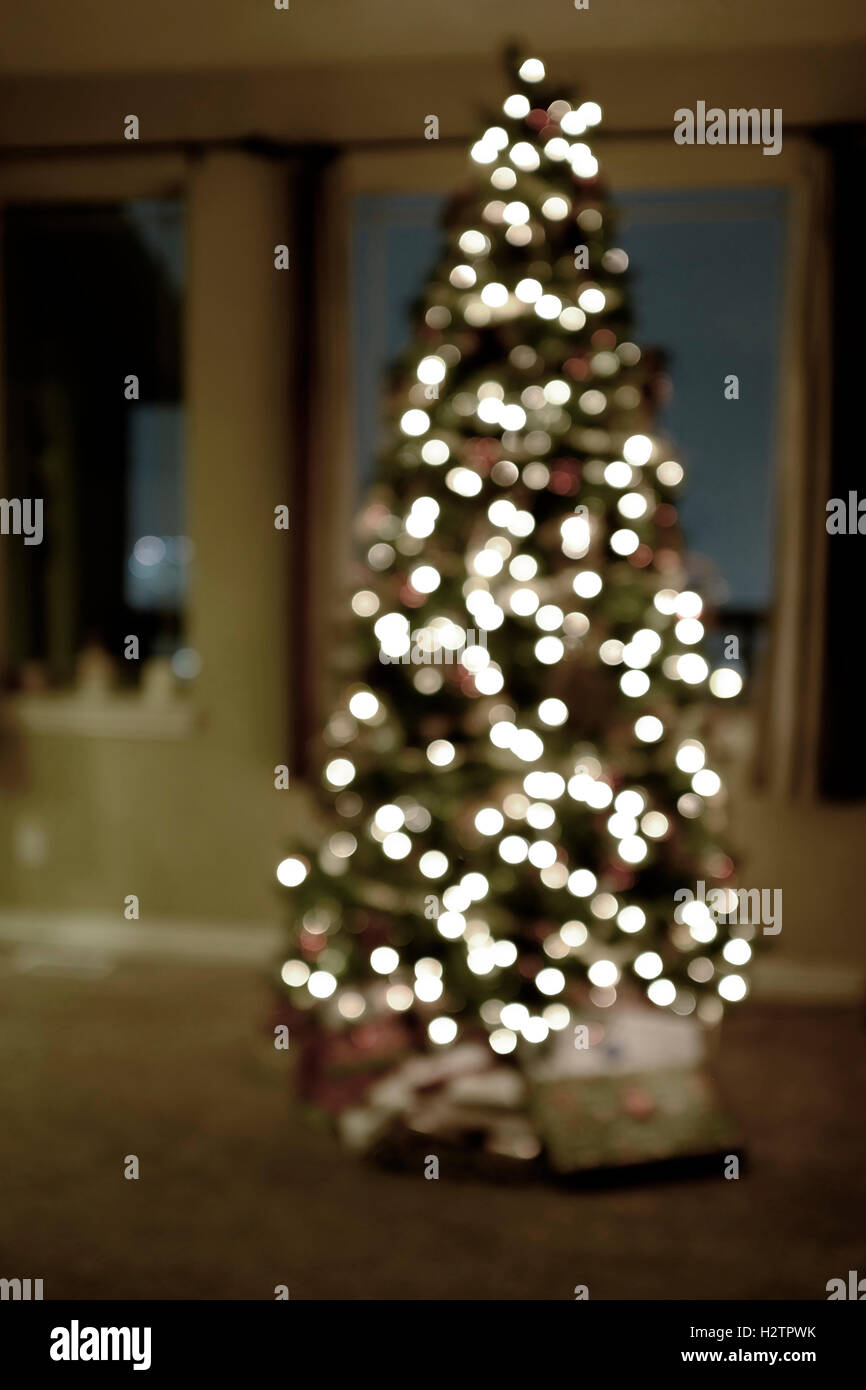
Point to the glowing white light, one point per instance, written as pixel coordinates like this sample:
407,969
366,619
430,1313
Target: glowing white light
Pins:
504,954
384,960
737,951
548,786
475,885
732,987
483,153
549,617
662,992
521,524
632,849
553,712
692,668
586,584
513,417
618,474
669,473
573,123
532,70
540,816
535,1030
428,989
351,1005
291,872
523,567
631,919
435,452
440,752
321,984
590,112
389,818
523,602
528,291
502,1040
296,973
634,684
625,541
725,683
442,1031
648,965
363,704
666,601
396,845
340,772
555,208
549,650
365,603
516,106
690,755
707,783
654,824
591,300
425,579
611,652
583,161
638,449
431,370
494,295
513,849
542,854
582,883
502,733
550,981
548,306
516,214
603,973
633,505
689,604
433,864
576,536
648,728
463,277
415,422
451,925
489,821
527,745
474,243
464,481
599,795
557,392
514,1015
689,631
524,156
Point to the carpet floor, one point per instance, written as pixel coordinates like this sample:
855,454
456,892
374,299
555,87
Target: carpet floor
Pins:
238,1194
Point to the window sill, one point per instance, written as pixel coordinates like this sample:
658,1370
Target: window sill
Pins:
112,715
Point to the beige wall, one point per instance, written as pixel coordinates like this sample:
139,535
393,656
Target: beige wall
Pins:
179,806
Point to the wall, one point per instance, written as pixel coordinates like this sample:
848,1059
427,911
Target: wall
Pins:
178,805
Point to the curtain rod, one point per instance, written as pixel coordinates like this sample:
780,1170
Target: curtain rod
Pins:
268,147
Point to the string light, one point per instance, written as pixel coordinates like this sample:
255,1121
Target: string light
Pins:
506,491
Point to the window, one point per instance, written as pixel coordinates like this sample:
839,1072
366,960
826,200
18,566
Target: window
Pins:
94,421
721,250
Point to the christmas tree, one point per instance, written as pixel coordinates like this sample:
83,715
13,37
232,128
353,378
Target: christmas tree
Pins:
515,780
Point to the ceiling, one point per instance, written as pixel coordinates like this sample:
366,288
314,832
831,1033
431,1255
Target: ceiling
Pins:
121,36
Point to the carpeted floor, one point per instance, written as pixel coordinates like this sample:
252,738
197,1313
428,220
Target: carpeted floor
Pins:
237,1195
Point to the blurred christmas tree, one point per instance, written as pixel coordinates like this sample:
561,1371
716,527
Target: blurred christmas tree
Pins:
516,776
